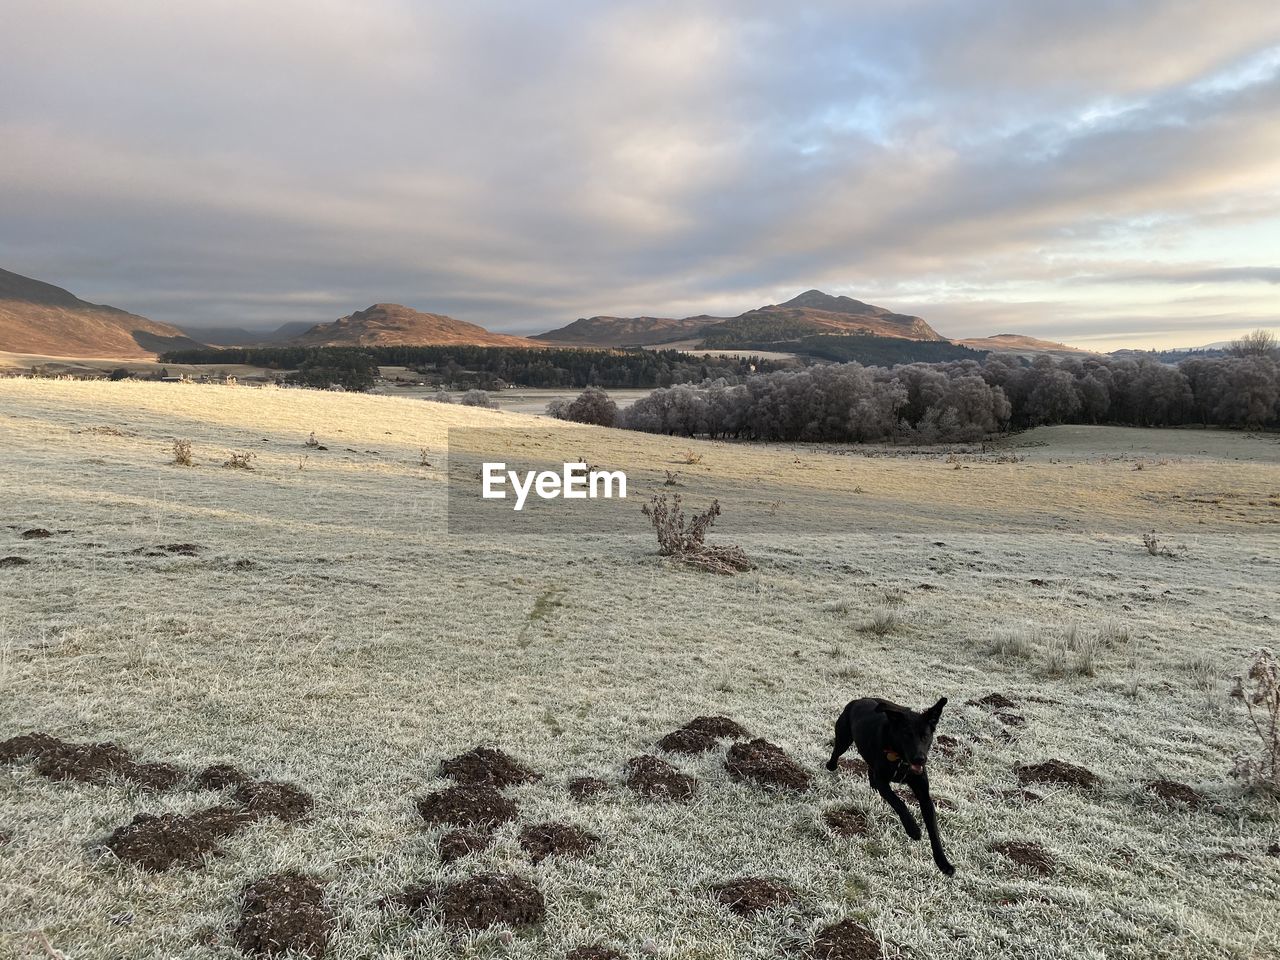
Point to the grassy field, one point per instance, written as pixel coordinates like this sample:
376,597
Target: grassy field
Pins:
327,630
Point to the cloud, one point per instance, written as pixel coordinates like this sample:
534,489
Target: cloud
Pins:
521,165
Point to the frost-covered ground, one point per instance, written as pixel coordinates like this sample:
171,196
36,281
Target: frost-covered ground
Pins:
328,631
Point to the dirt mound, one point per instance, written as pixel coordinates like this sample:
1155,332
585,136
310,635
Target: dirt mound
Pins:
718,728
484,765
28,745
1010,719
489,898
593,951
458,843
846,821
157,843
993,701
687,741
86,762
766,764
542,840
13,562
658,780
1055,771
266,798
1029,856
476,806
219,776
6,836
154,776
169,549
37,533
748,896
846,940
282,913
854,765
223,820
587,788
1171,791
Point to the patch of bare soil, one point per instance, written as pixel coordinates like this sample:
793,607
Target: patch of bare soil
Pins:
846,822
284,913
154,776
28,745
6,836
490,898
37,533
475,806
658,780
456,844
587,788
13,562
1272,851
847,940
993,702
484,765
1171,791
266,798
219,776
542,840
223,820
1056,771
156,843
687,741
169,549
748,896
1028,856
718,728
593,951
766,764
1010,719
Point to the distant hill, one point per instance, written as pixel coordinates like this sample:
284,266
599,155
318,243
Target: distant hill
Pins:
242,337
625,331
393,325
39,318
1017,343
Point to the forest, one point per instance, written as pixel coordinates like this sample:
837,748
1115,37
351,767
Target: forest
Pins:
965,400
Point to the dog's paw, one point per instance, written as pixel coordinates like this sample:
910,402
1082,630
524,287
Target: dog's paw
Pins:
947,868
832,765
913,832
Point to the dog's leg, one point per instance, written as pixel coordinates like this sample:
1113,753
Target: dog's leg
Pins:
885,789
843,741
920,787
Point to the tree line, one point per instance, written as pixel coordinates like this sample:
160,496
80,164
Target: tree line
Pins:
489,367
957,401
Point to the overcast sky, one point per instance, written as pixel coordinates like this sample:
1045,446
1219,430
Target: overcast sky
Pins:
1103,173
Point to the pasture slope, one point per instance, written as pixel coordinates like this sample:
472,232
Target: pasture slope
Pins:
320,627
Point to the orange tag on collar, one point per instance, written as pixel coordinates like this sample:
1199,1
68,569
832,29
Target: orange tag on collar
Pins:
891,756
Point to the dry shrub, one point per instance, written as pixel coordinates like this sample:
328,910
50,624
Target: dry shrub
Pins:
182,453
690,457
1158,549
683,539
240,461
884,620
1259,691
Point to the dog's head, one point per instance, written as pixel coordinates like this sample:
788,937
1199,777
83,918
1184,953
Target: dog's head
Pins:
910,734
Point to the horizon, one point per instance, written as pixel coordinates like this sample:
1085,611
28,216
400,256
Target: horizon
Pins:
1113,186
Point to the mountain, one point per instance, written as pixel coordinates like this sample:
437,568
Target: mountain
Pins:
1017,343
242,337
625,331
393,325
815,313
39,318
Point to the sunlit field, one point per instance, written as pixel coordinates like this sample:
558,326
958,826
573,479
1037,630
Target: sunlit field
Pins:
320,626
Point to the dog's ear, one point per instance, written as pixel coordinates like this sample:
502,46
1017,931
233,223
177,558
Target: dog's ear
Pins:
935,712
891,712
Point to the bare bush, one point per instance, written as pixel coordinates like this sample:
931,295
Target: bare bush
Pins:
311,441
683,539
240,461
690,457
884,620
592,406
1072,653
182,453
1259,691
673,479
478,398
424,457
1157,548
1010,642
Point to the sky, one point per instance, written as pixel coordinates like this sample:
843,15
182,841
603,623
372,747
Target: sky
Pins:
1101,173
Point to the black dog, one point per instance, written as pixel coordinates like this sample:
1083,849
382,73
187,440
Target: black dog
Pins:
894,741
